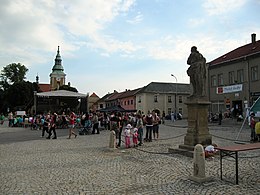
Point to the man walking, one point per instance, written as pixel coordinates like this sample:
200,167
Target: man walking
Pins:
95,123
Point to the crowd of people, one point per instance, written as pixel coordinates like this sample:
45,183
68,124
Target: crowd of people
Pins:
128,125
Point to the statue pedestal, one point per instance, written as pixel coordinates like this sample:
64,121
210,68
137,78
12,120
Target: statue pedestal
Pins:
198,132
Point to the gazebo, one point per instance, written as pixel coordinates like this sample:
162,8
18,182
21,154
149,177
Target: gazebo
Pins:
60,101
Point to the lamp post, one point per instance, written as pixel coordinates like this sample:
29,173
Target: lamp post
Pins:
175,94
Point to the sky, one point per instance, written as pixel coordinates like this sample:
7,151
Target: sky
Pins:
109,45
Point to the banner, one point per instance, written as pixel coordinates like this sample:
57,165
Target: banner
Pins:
229,89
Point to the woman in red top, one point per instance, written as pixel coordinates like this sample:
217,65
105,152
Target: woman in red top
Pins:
72,119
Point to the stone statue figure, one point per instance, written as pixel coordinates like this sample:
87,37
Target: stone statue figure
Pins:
197,72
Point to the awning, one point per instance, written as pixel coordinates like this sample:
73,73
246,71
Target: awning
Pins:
117,108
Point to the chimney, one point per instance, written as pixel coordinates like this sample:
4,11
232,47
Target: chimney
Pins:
253,37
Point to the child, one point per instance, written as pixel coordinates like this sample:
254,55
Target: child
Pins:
210,151
135,137
127,135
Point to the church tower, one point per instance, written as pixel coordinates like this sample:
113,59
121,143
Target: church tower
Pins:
57,77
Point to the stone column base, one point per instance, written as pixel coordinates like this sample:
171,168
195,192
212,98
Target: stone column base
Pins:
198,132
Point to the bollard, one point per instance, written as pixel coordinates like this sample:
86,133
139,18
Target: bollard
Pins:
199,165
112,139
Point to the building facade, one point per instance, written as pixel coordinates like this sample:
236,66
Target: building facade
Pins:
163,97
92,103
128,99
234,79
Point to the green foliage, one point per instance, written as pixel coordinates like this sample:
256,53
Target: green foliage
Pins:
13,73
68,88
15,93
20,95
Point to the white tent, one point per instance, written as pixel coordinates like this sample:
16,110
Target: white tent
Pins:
255,108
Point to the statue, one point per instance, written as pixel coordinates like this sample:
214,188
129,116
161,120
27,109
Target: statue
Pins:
197,72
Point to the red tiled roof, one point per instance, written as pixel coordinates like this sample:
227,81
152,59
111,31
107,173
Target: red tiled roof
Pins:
44,87
129,93
114,96
239,53
93,95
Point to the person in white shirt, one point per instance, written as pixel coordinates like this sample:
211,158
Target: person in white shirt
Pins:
127,135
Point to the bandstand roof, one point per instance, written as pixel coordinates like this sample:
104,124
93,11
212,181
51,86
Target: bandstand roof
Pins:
61,93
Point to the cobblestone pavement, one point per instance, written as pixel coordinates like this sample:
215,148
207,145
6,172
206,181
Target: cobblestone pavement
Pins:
86,165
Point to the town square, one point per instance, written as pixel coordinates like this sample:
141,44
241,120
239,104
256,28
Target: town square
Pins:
129,97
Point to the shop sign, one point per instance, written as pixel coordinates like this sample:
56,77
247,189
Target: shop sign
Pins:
229,89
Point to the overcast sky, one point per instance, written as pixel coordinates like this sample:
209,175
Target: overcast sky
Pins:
111,45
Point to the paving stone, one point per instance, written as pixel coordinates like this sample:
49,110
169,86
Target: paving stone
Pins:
86,165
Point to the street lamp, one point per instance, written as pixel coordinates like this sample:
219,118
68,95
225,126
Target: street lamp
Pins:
175,93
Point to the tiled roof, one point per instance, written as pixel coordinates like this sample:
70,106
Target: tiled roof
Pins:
105,97
93,95
158,87
240,53
114,96
44,87
129,93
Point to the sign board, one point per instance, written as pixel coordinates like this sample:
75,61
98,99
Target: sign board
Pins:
229,89
20,113
227,101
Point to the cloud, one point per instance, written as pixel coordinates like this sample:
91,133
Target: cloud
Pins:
177,48
28,26
219,7
137,19
111,45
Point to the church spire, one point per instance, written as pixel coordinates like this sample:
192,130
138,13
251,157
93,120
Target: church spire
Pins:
37,78
58,66
57,77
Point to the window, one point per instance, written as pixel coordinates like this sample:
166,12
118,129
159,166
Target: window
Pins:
128,102
132,102
180,99
169,99
254,73
231,77
180,110
155,98
240,76
169,110
213,81
220,80
139,99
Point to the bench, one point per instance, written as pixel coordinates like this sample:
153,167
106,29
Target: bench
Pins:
232,151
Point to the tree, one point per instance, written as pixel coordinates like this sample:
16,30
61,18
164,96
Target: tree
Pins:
13,73
68,88
20,95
